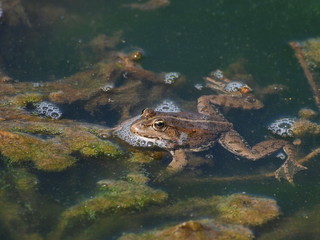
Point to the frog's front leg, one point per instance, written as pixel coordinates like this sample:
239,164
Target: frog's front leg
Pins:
233,142
179,161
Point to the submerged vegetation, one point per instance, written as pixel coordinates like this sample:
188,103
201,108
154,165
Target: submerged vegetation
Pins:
64,175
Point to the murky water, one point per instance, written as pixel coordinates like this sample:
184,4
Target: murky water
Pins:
187,37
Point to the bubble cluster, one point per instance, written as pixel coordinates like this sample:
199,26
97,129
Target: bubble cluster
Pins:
107,87
234,86
171,77
198,86
282,127
218,74
48,109
167,106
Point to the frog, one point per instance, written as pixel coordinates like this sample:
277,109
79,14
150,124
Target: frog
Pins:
182,132
237,94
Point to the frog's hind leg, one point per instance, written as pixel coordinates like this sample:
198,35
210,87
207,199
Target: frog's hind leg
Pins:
179,161
233,142
290,166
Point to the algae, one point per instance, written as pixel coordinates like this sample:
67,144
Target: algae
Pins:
111,197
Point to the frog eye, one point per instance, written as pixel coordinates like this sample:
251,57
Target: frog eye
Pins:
159,124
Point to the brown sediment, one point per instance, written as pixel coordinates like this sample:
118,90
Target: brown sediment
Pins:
299,55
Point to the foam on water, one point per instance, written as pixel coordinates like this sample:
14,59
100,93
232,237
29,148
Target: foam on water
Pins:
282,127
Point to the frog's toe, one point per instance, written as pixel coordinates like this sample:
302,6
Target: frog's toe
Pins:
288,169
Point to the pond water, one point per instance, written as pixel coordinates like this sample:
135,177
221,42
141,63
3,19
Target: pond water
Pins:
49,41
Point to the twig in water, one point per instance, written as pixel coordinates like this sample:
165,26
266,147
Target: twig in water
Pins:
299,55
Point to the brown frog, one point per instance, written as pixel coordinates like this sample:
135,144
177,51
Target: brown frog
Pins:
179,132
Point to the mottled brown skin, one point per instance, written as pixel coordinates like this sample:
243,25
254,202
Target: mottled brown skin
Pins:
182,131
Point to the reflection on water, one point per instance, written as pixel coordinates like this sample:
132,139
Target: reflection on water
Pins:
102,62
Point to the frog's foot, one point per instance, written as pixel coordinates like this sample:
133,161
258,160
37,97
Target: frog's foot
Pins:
177,164
288,169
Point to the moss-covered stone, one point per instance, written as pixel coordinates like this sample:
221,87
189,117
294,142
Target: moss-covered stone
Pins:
48,144
247,210
88,145
45,155
112,197
195,230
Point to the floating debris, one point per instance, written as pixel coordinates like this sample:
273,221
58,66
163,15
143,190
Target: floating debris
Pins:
167,106
282,127
48,109
171,77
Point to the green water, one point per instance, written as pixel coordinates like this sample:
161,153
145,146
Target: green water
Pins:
193,38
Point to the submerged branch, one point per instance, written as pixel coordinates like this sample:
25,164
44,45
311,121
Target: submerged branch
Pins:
299,55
